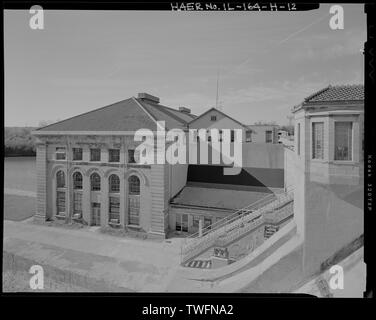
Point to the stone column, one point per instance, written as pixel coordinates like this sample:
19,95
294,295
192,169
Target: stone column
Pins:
158,206
41,166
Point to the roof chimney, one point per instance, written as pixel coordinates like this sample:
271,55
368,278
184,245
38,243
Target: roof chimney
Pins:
185,110
148,97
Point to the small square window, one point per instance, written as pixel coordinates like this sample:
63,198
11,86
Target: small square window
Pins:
114,155
77,154
131,158
95,154
213,118
60,153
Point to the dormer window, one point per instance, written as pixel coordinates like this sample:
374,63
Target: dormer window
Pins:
213,118
60,153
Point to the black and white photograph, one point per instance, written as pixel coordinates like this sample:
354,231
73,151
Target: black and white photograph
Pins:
201,148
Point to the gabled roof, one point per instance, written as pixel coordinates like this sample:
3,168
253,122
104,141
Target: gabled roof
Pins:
224,114
126,115
343,94
337,93
173,118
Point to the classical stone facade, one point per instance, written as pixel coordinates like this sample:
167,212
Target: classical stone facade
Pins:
87,171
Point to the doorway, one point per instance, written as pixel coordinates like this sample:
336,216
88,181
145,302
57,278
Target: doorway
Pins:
95,214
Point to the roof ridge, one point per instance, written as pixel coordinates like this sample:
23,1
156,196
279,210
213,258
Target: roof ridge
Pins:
163,108
81,114
317,93
177,110
225,114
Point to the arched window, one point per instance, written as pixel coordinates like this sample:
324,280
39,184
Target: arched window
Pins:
134,185
95,182
77,180
114,183
60,179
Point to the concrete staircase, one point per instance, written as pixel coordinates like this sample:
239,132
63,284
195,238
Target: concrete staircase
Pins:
239,224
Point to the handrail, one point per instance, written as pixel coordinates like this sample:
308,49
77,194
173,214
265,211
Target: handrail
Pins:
199,244
227,219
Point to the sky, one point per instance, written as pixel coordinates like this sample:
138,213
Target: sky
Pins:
267,61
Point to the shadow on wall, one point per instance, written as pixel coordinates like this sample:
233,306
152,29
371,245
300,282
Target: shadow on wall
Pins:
255,177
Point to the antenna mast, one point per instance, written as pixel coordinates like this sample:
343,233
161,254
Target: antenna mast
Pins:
217,97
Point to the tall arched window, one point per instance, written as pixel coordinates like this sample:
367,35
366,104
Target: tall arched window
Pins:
60,179
77,180
95,182
60,194
134,185
114,183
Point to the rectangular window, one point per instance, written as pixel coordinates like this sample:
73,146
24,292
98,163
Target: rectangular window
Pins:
268,136
248,136
77,154
343,141
114,210
95,154
298,139
77,203
114,155
196,222
181,222
60,203
60,153
207,222
131,158
318,140
213,118
232,135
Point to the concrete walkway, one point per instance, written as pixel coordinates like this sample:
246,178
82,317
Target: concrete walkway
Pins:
132,264
121,264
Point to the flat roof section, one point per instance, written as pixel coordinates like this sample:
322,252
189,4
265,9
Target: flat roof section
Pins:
218,197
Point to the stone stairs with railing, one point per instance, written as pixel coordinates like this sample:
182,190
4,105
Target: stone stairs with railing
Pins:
270,209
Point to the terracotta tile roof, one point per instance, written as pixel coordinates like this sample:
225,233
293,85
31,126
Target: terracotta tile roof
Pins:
125,115
337,93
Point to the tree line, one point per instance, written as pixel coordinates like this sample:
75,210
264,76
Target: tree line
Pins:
18,141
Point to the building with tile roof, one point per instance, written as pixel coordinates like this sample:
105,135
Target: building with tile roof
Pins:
326,167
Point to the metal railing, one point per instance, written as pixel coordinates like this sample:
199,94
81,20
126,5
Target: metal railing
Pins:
233,226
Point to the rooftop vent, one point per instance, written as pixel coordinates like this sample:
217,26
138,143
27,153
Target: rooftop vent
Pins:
148,97
185,110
